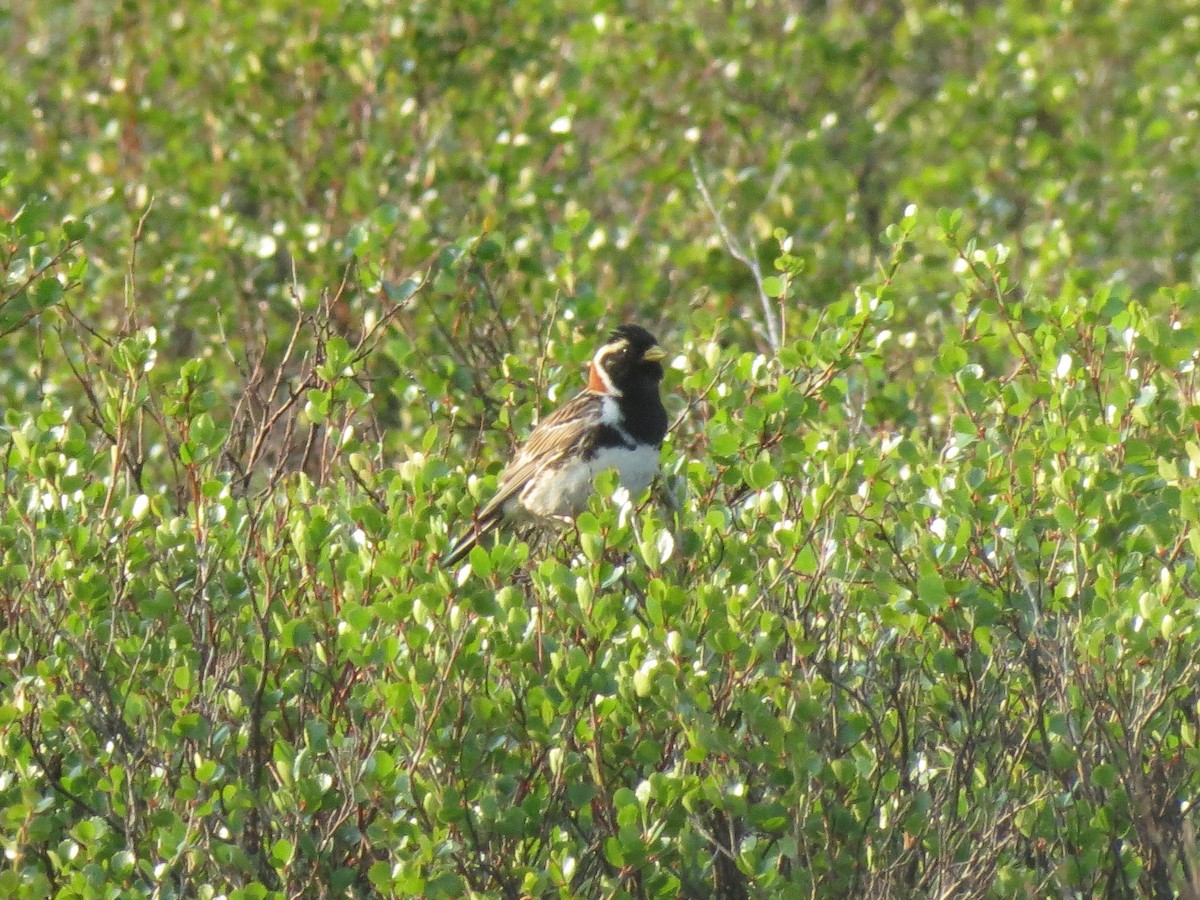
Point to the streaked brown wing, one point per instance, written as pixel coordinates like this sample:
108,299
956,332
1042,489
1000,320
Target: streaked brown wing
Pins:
555,436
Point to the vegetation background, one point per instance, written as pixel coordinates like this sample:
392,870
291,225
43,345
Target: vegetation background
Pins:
914,609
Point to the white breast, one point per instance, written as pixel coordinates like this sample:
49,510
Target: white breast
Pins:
565,491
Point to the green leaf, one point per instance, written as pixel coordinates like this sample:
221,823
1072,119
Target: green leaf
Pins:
760,474
481,561
398,293
75,229
282,852
931,593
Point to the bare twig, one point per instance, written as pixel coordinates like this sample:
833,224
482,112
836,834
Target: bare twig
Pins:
738,251
131,269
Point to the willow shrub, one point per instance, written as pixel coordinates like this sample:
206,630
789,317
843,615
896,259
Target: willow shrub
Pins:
910,612
843,648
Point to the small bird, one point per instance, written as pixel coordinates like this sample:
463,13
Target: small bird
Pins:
617,422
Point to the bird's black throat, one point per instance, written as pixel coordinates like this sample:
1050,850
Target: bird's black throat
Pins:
642,412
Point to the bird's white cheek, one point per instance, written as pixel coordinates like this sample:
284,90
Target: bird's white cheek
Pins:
610,415
610,412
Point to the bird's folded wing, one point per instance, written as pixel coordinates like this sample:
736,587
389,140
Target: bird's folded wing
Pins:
559,435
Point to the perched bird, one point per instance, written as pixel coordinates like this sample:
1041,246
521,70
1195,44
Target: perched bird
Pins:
618,422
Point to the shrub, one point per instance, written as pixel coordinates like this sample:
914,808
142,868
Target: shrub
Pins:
911,611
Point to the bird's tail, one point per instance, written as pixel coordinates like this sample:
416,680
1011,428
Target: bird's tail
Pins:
467,542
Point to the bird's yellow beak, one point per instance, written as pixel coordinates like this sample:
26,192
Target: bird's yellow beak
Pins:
654,354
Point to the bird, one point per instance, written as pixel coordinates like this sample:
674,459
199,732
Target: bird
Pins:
617,422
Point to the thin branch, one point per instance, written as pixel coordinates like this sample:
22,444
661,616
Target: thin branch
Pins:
738,252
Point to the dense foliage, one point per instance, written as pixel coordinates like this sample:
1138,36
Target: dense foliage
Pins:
913,610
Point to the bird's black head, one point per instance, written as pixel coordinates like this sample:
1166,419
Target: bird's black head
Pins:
630,358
